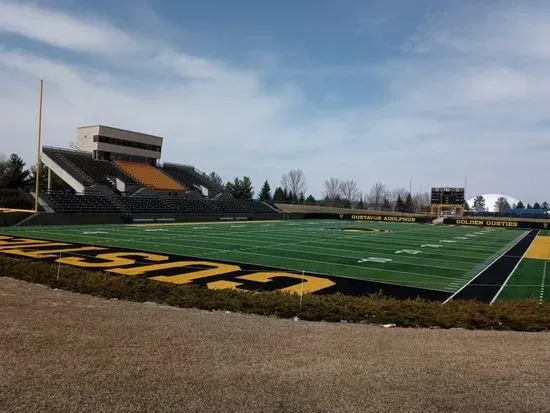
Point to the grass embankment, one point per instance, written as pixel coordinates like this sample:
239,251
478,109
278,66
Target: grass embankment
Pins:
296,208
513,315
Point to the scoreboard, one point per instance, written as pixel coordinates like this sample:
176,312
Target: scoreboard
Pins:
447,197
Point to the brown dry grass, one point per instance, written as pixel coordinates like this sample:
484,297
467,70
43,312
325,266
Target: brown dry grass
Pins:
288,208
65,352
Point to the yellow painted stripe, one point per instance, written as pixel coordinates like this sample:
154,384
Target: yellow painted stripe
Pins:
539,249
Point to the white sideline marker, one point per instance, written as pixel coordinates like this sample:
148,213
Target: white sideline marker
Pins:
94,232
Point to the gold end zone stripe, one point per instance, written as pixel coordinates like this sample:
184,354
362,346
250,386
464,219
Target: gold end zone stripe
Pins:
164,268
539,248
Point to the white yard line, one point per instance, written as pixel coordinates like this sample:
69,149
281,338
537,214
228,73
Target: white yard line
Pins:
541,295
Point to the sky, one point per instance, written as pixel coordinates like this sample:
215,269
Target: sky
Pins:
430,90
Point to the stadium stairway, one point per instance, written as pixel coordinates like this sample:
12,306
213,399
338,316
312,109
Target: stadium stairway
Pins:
150,176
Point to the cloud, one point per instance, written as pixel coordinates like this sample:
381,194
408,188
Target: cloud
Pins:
62,30
456,102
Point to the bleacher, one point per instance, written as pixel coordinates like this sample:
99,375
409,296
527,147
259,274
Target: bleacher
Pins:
150,176
147,190
100,171
69,202
189,176
89,171
60,157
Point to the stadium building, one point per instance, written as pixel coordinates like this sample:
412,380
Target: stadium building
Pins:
117,171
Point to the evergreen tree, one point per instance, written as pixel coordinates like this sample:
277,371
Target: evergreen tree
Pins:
310,200
247,190
279,195
56,182
361,203
240,188
14,175
536,206
529,206
386,204
544,206
408,206
520,205
399,204
302,199
265,193
215,178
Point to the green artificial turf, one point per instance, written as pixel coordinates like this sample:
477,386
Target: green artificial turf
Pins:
428,256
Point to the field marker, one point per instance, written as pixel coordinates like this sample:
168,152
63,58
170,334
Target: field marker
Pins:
431,245
412,252
155,230
448,241
541,295
375,259
94,232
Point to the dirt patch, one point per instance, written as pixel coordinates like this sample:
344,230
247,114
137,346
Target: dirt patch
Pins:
66,352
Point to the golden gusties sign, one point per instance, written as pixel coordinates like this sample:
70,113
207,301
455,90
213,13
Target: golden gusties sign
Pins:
486,223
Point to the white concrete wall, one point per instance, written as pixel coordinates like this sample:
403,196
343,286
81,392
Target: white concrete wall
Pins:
73,183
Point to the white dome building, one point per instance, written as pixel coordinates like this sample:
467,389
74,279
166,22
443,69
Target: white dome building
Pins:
491,199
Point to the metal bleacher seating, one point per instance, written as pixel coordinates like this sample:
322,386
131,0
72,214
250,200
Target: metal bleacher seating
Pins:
189,176
59,156
89,171
100,171
97,176
69,202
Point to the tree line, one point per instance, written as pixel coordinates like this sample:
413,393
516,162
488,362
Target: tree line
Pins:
501,205
344,193
336,193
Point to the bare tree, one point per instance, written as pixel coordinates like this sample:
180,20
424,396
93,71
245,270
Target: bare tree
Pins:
294,181
501,205
376,195
421,201
333,188
350,191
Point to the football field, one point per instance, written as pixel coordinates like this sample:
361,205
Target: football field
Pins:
446,259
